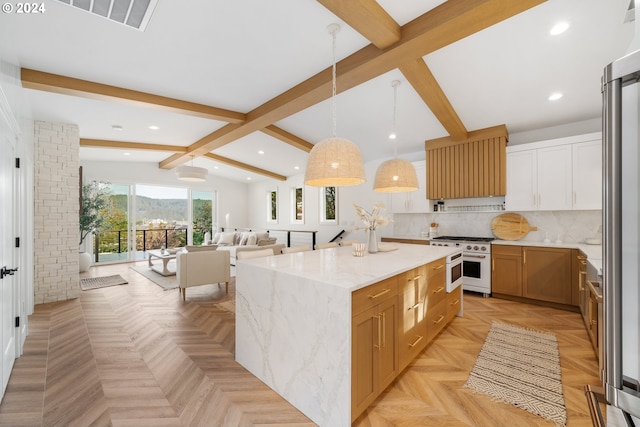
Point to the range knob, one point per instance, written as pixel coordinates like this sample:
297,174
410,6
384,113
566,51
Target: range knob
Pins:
468,247
475,248
483,248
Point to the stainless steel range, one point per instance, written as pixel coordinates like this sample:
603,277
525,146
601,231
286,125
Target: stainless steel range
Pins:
476,261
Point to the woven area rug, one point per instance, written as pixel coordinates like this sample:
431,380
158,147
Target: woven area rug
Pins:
521,367
101,282
165,282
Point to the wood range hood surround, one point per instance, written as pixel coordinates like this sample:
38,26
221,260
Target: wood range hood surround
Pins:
475,166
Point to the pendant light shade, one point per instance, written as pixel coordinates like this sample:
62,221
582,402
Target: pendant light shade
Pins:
396,175
191,173
334,162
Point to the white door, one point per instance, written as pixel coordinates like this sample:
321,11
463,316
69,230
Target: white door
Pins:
7,235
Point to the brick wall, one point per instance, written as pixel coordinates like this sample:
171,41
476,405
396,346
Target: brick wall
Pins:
56,206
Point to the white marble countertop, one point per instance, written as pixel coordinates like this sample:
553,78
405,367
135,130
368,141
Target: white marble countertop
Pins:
339,268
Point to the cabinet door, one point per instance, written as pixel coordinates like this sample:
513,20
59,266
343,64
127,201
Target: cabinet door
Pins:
547,274
411,314
506,274
587,175
554,178
522,186
364,335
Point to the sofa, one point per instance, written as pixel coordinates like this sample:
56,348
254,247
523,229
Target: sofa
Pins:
238,241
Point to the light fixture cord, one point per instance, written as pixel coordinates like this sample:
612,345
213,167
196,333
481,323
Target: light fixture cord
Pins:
395,98
333,79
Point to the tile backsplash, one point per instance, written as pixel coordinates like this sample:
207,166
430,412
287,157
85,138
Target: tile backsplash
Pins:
566,226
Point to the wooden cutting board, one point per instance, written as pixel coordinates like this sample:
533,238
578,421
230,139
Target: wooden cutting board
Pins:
510,226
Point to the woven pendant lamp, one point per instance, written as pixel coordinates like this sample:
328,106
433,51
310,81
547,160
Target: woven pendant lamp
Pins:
334,162
395,175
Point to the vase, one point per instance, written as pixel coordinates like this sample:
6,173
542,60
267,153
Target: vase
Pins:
84,261
372,244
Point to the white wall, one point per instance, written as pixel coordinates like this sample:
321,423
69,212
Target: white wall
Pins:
232,195
362,195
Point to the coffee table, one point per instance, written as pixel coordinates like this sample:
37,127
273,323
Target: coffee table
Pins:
165,258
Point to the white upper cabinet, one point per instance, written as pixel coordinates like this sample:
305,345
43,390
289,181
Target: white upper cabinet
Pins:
413,201
587,175
561,174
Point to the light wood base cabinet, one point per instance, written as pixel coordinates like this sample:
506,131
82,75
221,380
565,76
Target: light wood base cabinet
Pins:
393,321
536,274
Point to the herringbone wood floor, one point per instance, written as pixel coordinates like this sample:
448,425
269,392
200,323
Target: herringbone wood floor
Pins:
136,355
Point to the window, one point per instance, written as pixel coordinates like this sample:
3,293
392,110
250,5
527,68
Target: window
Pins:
202,215
272,206
297,205
329,205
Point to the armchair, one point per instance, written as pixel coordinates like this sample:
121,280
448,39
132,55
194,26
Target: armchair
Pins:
202,268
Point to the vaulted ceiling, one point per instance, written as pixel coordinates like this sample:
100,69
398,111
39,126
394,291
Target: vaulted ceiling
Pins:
244,87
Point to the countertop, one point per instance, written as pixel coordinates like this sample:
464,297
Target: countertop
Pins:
338,267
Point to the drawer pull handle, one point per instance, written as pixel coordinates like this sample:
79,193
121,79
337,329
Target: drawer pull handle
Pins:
413,344
440,319
455,302
379,294
439,267
440,289
418,277
413,307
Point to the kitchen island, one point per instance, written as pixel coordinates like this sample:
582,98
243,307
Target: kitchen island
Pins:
294,320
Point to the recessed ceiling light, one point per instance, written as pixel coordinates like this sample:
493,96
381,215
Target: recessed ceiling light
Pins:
559,28
116,127
260,152
215,167
248,178
296,167
126,154
392,135
154,127
555,96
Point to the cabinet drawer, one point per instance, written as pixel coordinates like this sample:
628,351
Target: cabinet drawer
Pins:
436,319
411,279
454,303
436,288
506,250
411,343
435,267
367,297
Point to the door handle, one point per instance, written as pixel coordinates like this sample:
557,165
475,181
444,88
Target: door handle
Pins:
4,271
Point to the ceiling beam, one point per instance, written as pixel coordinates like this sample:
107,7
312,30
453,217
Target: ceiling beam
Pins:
288,138
245,166
48,82
104,143
420,77
441,26
124,145
368,18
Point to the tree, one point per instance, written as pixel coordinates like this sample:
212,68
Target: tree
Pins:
95,199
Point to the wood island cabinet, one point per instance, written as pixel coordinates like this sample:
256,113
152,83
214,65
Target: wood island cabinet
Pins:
374,344
405,240
536,274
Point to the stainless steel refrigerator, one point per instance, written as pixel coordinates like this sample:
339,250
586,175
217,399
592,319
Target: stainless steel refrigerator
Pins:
621,233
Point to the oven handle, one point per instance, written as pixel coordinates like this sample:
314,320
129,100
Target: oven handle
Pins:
475,256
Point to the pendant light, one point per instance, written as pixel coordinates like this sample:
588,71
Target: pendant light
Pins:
191,173
334,162
395,175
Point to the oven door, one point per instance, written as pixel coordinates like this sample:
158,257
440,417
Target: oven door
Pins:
454,271
477,273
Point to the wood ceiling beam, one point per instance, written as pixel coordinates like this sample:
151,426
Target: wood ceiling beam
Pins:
441,26
124,145
48,82
368,18
245,166
288,138
420,77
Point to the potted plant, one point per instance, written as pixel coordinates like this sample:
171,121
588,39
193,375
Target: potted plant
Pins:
95,198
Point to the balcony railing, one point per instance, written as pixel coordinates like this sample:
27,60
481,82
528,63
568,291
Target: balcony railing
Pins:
117,241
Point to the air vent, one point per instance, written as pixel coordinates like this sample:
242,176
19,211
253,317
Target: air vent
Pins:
132,13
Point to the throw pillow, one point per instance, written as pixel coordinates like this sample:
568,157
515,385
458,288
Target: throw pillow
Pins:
243,239
253,239
215,239
227,238
262,235
267,242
